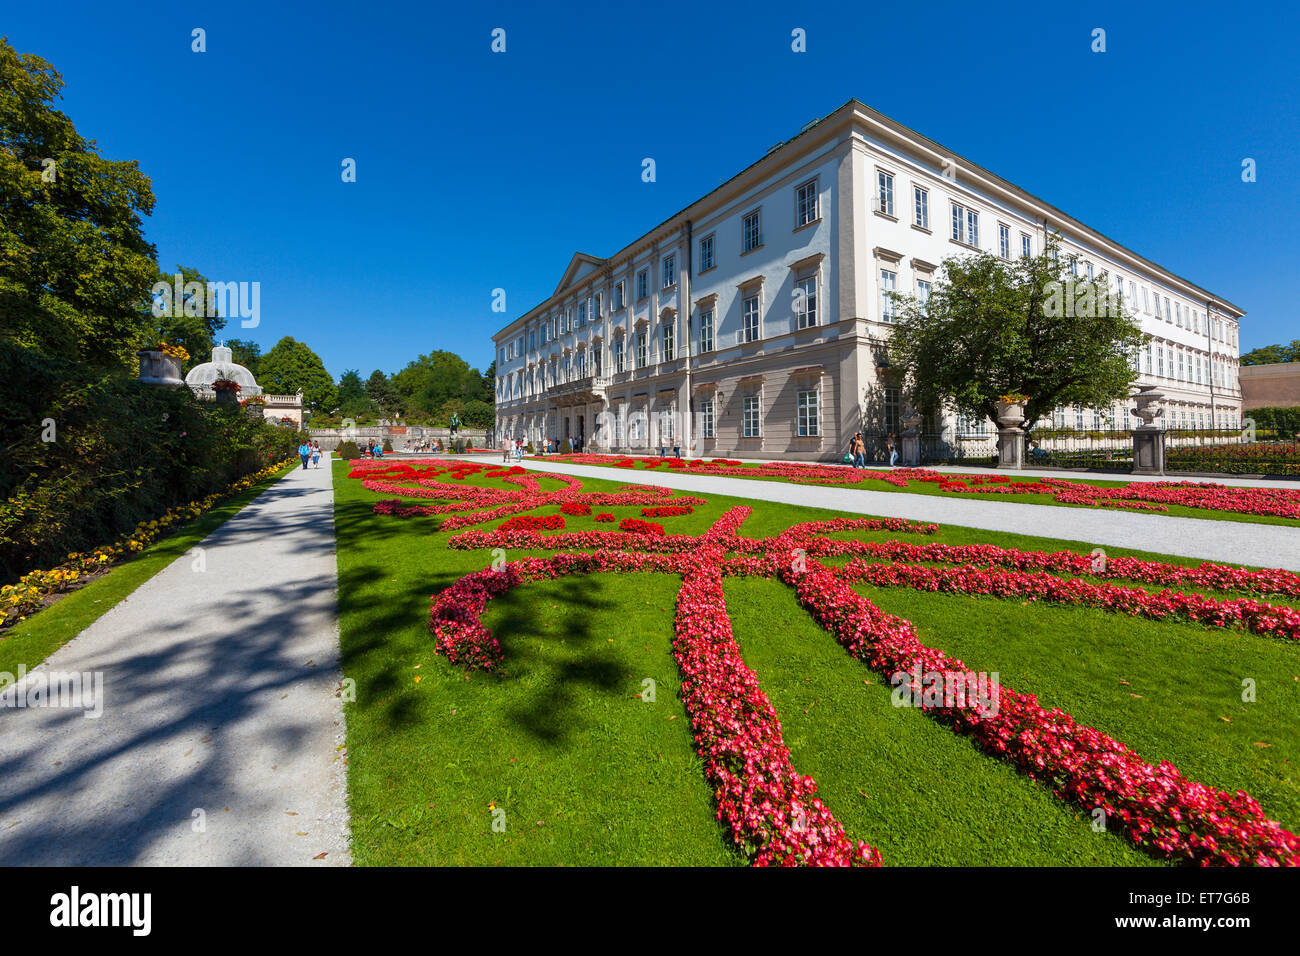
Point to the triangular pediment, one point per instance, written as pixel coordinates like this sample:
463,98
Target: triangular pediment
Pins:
580,266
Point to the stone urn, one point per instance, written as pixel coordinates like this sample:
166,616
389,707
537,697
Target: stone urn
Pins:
1011,414
1011,437
159,368
1149,406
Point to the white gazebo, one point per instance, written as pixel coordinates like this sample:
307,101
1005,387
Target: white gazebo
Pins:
275,407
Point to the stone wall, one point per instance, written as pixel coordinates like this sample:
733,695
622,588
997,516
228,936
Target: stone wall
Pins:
330,438
1270,386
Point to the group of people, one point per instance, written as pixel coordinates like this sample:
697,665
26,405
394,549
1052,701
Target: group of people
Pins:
857,455
309,451
423,446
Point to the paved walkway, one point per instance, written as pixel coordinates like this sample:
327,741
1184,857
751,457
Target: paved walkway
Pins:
220,741
1231,542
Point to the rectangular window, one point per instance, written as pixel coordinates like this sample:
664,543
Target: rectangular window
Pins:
1004,240
888,284
582,315
708,420
752,418
749,313
1026,246
706,331
1089,266
751,236
1146,304
596,311
1074,265
1160,362
620,294
641,349
666,334
923,288
670,271
706,253
618,354
809,415
921,207
884,192
965,225
1168,316
805,204
805,301
1178,314
642,284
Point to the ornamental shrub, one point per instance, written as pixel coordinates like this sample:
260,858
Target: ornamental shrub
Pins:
388,445
90,453
348,450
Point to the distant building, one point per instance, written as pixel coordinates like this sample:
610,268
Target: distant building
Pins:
1269,386
754,322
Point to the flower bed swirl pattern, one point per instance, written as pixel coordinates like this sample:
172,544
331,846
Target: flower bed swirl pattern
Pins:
769,809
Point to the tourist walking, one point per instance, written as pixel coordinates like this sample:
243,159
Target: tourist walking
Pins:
304,452
859,451
315,454
892,444
505,451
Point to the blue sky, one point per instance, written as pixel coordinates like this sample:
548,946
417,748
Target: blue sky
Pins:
478,170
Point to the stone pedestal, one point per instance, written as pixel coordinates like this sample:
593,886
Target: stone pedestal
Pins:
1148,450
911,450
1011,448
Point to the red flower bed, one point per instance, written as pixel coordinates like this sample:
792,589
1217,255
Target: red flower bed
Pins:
1253,616
667,511
769,808
1155,806
637,526
1138,495
576,508
533,523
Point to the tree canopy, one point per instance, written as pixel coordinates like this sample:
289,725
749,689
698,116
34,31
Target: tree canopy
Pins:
292,365
992,328
1273,354
74,262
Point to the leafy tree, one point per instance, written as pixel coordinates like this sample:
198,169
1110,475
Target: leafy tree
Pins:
353,401
477,413
74,262
992,328
191,320
427,383
1273,354
382,395
247,353
291,365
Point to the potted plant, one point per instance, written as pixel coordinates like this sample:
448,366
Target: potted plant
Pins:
226,391
1012,406
161,364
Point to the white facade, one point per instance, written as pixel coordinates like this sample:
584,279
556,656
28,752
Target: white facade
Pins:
756,318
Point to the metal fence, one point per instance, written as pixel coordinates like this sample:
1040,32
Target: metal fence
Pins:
1214,451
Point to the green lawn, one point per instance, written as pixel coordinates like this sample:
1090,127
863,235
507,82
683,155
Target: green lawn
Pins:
587,773
31,641
931,488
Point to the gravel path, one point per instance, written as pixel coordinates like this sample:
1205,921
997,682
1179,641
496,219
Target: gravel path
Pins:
220,739
1231,542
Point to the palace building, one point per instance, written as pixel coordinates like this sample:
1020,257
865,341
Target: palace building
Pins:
754,323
